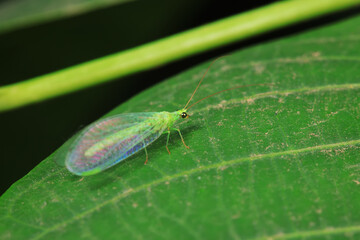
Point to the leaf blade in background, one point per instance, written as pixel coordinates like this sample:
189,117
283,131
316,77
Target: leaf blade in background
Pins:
21,13
277,162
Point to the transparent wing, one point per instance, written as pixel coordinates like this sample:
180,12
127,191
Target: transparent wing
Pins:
110,140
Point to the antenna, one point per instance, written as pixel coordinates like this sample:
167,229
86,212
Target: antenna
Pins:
250,85
202,80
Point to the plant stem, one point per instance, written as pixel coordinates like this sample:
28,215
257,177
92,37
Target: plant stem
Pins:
166,50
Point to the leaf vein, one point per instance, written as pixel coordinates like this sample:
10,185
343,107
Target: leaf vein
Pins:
201,169
306,90
312,233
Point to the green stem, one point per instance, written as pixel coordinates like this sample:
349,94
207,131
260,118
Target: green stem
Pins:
169,49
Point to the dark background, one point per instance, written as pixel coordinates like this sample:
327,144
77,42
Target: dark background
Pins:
31,133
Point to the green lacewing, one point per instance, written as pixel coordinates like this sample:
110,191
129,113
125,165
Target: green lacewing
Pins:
108,141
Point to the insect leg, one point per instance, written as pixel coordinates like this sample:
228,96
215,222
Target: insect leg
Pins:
167,141
182,139
147,157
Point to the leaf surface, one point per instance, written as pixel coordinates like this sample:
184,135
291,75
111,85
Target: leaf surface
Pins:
279,162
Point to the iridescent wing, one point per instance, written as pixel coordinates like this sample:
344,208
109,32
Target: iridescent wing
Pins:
110,140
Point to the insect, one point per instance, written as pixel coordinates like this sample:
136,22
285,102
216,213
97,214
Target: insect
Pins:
108,141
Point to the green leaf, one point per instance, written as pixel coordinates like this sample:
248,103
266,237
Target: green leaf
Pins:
279,162
148,56
21,13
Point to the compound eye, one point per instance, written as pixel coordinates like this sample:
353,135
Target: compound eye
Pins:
184,115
